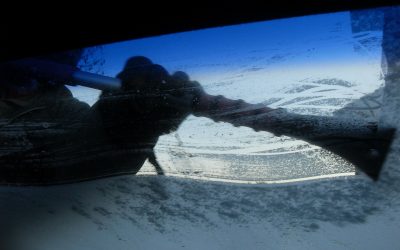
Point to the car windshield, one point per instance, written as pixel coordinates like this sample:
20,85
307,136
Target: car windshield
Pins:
323,65
272,135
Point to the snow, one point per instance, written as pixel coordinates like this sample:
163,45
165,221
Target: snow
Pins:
233,188
150,212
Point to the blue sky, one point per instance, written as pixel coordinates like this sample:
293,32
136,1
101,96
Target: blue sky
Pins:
234,45
310,42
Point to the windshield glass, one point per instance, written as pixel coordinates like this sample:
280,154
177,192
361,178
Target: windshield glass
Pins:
324,65
286,119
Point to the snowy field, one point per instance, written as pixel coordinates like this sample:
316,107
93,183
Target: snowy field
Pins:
233,188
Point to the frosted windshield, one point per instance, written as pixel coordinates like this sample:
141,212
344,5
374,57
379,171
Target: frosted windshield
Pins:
320,65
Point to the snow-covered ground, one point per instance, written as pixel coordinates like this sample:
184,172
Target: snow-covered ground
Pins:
208,200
